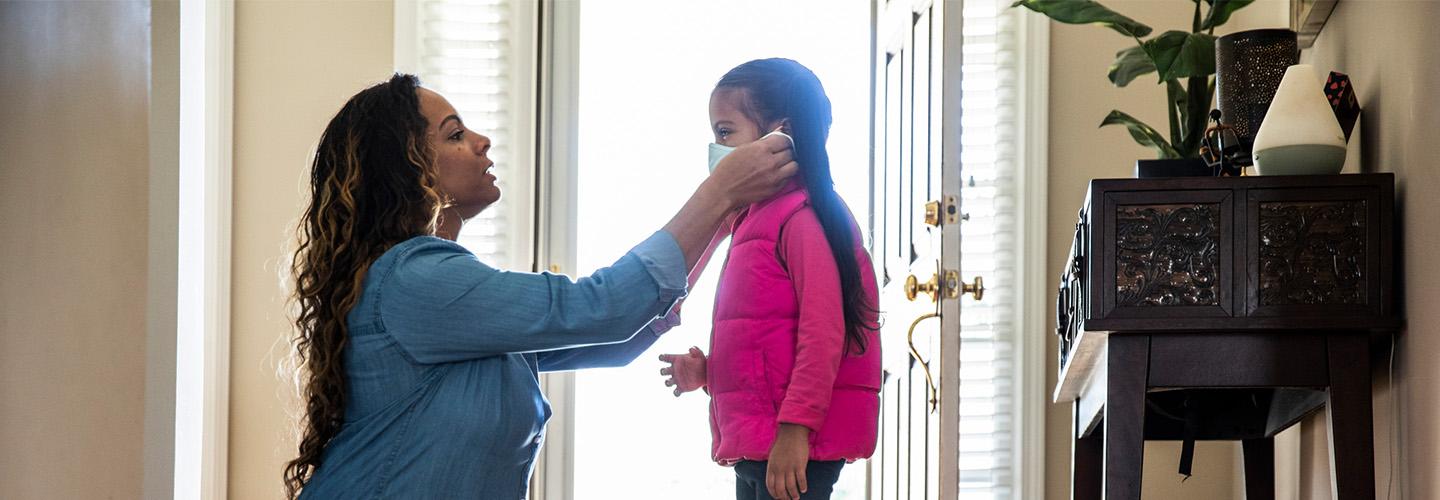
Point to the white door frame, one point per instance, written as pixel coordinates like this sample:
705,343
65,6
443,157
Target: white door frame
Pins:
1031,288
188,292
948,375
557,140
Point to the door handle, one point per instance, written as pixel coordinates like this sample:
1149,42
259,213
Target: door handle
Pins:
934,390
913,288
952,288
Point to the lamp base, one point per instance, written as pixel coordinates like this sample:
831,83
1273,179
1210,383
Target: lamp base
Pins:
1300,159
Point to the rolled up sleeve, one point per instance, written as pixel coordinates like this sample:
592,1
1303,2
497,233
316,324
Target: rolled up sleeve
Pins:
666,264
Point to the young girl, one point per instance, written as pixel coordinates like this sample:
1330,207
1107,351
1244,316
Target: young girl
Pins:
794,363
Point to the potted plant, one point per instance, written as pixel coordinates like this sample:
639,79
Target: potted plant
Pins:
1183,61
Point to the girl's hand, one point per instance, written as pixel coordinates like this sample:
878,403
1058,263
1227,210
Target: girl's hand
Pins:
686,371
785,472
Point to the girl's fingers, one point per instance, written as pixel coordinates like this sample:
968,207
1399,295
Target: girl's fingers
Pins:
669,382
792,486
667,370
677,392
801,482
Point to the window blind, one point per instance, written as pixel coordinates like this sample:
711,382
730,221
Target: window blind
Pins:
991,145
467,51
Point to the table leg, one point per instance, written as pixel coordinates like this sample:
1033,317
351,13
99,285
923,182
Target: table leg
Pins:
1352,442
1259,469
1128,365
1088,457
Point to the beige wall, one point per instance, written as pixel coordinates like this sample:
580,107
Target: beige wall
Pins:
1080,96
74,165
297,61
295,64
1391,50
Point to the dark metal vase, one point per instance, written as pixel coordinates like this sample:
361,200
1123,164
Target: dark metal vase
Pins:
1248,68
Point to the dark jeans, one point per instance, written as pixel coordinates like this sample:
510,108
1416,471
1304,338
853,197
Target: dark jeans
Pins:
819,476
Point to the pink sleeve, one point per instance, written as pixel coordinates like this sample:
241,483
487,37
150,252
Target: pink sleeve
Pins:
821,337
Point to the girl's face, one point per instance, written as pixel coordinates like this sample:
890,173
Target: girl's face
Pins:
462,167
728,120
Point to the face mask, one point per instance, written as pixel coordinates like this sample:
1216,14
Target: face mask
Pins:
718,151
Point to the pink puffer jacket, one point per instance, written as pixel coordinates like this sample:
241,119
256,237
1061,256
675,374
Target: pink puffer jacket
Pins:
763,368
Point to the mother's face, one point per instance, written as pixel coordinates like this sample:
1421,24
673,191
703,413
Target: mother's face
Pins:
462,167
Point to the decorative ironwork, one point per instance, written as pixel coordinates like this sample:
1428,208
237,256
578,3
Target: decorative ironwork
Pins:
1313,252
1167,255
1070,303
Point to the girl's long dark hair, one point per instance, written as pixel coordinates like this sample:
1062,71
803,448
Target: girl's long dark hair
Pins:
781,89
372,185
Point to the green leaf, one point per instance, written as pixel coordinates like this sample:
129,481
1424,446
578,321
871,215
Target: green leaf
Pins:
1085,12
1143,134
1180,54
1130,64
1221,10
1198,100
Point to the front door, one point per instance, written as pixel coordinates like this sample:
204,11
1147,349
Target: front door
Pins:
916,244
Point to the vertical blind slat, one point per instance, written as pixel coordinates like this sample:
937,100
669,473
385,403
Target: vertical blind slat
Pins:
464,54
988,356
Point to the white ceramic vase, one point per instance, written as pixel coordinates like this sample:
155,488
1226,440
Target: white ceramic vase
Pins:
1300,134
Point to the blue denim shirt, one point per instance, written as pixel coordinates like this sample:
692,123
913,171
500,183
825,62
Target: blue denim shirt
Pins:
443,360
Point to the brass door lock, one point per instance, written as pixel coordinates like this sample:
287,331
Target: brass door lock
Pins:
932,213
954,288
933,209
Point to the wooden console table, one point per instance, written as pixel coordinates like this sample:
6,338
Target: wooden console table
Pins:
1224,309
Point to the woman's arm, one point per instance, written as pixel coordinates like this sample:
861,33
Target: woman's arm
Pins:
441,304
613,355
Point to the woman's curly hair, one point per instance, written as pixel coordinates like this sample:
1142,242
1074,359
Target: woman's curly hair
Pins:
372,185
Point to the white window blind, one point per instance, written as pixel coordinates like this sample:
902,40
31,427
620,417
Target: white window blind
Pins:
989,422
479,54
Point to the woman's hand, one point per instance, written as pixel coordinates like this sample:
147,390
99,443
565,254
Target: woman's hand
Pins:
751,173
686,371
754,171
785,473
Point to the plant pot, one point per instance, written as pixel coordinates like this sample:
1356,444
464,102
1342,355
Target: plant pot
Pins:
1184,167
1300,135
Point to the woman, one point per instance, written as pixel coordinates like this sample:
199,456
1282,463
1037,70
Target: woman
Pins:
420,363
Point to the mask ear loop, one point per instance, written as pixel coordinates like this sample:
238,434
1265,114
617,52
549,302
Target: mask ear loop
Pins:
778,132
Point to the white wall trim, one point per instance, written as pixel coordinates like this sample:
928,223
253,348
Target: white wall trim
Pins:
407,42
557,150
202,354
1034,77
